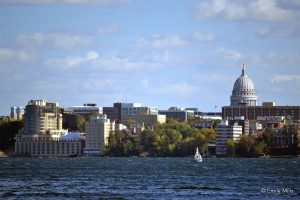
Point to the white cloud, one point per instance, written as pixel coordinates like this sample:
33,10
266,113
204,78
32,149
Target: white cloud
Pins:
287,30
145,83
284,78
16,55
272,59
92,61
212,78
114,62
258,10
229,54
108,30
70,62
69,2
180,89
53,40
203,37
159,41
174,40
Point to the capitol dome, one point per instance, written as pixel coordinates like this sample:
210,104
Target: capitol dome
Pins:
243,93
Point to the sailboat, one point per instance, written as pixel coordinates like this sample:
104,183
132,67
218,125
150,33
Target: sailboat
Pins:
197,156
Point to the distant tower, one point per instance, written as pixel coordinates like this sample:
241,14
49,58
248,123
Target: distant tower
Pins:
243,93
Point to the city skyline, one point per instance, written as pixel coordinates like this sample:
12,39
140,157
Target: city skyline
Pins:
162,54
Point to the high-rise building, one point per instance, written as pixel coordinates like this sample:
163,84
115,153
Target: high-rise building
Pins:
41,117
243,93
97,131
16,113
224,132
42,134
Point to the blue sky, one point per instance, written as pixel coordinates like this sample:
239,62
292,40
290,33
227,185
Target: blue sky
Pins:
159,53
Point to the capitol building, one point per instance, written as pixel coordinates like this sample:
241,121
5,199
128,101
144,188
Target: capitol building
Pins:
243,92
243,103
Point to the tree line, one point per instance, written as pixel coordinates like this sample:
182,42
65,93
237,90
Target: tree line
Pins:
170,139
250,145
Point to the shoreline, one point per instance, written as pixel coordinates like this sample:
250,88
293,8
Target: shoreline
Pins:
5,155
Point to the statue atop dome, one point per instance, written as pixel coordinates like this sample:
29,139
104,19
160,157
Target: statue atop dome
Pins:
244,70
243,93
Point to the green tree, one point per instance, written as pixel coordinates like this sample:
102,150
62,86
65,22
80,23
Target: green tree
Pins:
91,115
150,140
8,131
170,138
74,122
260,148
246,145
267,137
230,147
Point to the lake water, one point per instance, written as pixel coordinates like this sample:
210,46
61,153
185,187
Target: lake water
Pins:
149,178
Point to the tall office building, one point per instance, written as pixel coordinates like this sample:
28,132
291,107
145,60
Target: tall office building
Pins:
42,134
41,117
97,131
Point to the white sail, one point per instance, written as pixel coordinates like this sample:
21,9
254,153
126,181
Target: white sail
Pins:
197,156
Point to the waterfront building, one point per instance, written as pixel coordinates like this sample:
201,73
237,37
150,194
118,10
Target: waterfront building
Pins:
224,132
46,145
42,134
41,116
16,113
97,131
280,138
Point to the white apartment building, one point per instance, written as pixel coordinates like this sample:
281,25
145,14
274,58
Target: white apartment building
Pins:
224,132
97,131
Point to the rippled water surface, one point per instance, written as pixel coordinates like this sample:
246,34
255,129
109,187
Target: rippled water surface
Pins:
149,178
